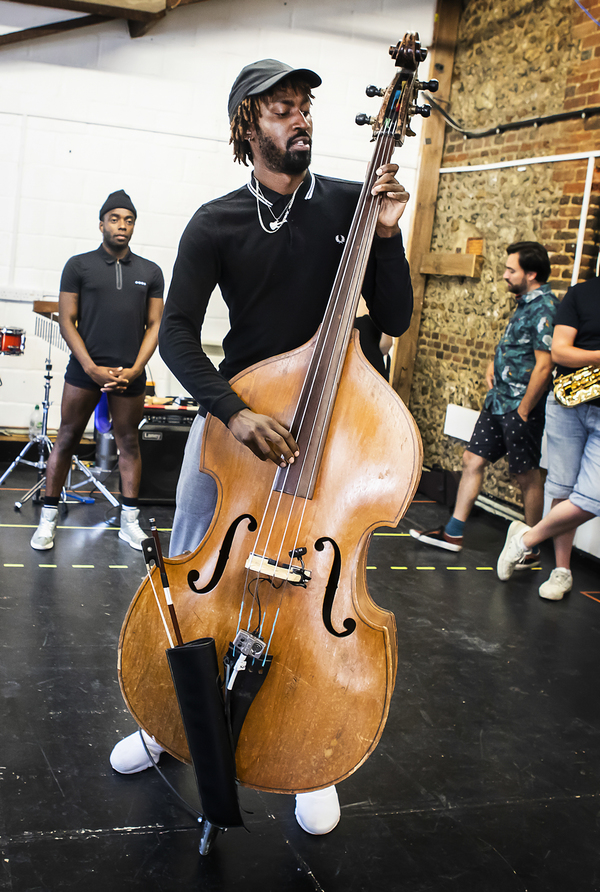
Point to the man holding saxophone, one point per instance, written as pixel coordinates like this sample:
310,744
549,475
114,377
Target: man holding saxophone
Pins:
573,432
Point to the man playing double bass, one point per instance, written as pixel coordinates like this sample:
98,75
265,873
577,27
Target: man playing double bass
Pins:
273,248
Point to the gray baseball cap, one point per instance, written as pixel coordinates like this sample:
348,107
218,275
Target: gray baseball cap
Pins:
261,76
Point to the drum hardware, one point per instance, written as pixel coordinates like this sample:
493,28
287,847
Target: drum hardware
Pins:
12,341
49,331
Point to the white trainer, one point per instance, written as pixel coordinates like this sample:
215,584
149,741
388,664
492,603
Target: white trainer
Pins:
318,812
560,582
130,531
513,550
43,538
130,756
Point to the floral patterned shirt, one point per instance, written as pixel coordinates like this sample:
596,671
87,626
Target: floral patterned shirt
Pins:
529,329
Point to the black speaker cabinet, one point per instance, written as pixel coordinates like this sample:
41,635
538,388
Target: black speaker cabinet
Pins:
161,444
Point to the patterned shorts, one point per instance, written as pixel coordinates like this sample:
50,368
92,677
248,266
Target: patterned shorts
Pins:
498,435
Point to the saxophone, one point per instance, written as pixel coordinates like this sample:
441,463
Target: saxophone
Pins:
578,387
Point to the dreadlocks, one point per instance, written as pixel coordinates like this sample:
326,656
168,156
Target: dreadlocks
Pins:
248,114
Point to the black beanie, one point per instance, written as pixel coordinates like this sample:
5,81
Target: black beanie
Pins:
118,199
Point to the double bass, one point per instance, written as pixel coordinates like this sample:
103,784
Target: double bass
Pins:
283,563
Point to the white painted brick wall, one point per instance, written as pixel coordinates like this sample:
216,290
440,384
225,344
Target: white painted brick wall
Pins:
93,111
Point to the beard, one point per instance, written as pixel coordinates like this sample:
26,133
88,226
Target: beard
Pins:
518,288
290,161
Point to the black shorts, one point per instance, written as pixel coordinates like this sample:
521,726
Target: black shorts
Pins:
77,377
498,435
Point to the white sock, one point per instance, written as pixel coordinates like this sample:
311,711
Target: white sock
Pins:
522,545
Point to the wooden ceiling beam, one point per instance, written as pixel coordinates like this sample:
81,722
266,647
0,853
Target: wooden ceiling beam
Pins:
49,30
138,28
173,4
105,10
139,21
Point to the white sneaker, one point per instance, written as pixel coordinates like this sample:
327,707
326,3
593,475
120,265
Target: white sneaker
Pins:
129,755
560,582
513,550
318,812
130,531
43,538
531,561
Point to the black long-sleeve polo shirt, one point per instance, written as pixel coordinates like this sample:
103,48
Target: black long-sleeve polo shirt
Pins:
276,284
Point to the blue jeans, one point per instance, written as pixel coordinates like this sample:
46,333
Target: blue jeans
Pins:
574,454
196,497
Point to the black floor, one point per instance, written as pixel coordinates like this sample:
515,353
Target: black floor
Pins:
487,778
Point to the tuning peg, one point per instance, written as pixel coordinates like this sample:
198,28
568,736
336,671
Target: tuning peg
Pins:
424,110
372,90
364,119
432,86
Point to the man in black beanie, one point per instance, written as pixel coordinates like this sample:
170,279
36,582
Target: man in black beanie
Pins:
110,307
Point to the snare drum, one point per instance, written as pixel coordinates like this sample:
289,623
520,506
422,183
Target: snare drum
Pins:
12,341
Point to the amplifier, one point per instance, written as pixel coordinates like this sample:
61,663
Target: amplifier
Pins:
162,442
174,417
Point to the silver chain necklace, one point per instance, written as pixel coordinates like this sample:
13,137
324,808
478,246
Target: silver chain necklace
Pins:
277,222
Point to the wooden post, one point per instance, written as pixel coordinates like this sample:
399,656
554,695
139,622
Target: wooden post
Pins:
445,33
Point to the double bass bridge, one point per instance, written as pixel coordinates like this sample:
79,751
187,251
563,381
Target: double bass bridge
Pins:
292,573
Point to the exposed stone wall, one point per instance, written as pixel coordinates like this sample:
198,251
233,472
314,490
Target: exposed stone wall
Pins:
515,60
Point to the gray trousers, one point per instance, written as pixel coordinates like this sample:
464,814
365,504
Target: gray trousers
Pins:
196,496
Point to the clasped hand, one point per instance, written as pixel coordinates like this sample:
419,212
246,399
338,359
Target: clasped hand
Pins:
112,380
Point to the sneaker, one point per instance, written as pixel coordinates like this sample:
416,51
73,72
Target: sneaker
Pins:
130,531
318,812
532,561
129,755
513,550
560,582
43,538
439,538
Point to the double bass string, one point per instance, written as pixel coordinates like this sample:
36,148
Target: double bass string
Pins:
382,154
384,148
344,333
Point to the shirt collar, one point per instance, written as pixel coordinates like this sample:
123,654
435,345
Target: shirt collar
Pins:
532,295
305,191
108,258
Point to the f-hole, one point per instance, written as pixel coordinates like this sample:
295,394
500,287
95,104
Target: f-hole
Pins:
224,551
331,589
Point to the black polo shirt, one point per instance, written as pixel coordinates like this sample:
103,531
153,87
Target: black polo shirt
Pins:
113,301
276,284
